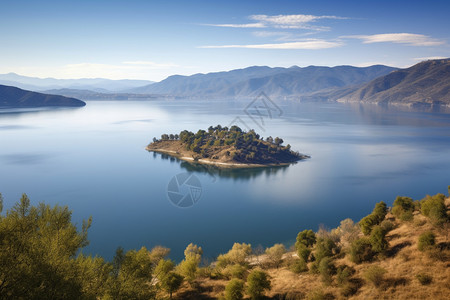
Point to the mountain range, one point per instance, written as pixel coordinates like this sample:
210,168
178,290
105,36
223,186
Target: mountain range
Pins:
99,85
274,82
14,97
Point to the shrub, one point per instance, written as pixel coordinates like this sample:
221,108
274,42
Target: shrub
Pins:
367,223
234,290
275,254
343,274
434,208
387,225
375,275
380,211
171,283
424,279
318,294
378,239
303,252
298,266
234,271
327,270
361,250
403,208
306,237
426,241
257,282
324,248
347,232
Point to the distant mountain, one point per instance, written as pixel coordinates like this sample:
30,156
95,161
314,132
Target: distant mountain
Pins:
275,82
14,97
100,85
427,83
92,95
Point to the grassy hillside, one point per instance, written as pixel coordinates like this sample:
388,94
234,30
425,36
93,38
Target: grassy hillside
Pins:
393,253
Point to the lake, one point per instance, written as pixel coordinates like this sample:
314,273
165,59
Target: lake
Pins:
93,160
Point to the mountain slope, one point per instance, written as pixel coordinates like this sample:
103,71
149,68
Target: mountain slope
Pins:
275,82
14,97
95,84
427,82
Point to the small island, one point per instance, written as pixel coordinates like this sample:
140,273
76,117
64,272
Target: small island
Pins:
226,148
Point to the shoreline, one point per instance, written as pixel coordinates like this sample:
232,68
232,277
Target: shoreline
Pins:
217,163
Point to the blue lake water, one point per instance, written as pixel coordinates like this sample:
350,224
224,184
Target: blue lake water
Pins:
93,160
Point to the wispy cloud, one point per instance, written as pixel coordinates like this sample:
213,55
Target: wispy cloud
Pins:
409,39
312,44
250,25
283,21
429,58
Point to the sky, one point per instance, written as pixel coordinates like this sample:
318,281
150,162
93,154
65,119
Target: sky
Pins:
152,40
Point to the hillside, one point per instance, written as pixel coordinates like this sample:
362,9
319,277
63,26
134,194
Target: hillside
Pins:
14,97
225,147
275,82
425,83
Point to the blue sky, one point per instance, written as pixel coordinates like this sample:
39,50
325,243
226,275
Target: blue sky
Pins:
154,39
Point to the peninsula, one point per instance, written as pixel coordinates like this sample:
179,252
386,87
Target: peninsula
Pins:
226,148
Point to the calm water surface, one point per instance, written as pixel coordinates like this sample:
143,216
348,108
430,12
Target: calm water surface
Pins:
93,160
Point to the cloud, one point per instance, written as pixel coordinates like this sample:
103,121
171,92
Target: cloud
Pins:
303,45
250,25
409,39
429,58
283,22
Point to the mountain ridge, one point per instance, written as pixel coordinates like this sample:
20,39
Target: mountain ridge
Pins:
426,83
11,96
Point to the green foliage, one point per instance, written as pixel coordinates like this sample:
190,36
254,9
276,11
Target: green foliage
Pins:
378,239
234,290
367,223
171,282
327,270
387,225
434,208
403,208
237,255
303,252
424,279
426,241
375,275
38,247
234,271
343,274
380,211
325,247
306,237
134,270
257,282
275,254
298,266
361,250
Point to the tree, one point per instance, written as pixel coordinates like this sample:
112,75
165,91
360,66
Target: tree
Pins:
269,139
278,141
434,208
325,247
380,211
306,237
189,266
275,254
378,239
366,224
361,250
234,290
171,283
257,282
164,137
327,270
403,208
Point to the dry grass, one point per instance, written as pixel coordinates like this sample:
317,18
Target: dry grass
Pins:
403,261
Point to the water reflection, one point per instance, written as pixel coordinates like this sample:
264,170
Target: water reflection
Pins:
237,174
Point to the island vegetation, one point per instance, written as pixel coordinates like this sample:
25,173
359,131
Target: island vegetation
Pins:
226,147
398,252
